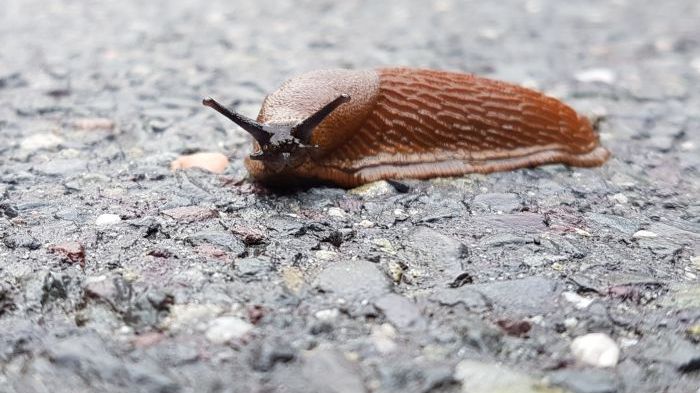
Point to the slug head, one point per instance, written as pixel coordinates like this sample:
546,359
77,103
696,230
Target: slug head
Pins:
281,145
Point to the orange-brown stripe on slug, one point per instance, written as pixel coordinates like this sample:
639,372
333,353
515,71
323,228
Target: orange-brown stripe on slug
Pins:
413,123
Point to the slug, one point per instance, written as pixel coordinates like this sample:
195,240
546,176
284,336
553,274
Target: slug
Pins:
350,127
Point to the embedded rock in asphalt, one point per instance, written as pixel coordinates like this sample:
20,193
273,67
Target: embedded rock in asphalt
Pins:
353,279
400,311
526,296
478,377
585,380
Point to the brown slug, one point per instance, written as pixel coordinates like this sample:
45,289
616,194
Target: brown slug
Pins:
352,127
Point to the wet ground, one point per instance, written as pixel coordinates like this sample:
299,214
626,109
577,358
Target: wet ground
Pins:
120,275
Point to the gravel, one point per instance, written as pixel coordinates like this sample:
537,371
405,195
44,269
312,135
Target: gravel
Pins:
134,259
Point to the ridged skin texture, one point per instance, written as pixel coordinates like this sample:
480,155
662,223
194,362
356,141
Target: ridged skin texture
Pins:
414,123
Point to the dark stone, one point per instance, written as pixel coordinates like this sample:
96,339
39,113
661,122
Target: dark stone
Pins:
72,252
222,239
270,352
286,226
517,328
21,240
190,213
55,287
113,290
8,210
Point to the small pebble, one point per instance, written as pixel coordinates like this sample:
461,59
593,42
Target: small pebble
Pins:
596,349
326,255
107,219
602,75
366,224
695,261
212,162
224,329
383,338
328,314
373,190
70,251
578,301
337,212
570,322
619,198
695,63
644,235
190,213
41,141
95,123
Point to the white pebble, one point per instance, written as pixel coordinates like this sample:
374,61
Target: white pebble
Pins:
337,212
695,261
41,141
224,329
579,301
644,235
326,255
328,314
570,322
619,198
383,338
695,63
107,219
366,224
602,75
596,349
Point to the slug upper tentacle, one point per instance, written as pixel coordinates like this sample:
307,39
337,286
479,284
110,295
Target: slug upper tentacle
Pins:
351,127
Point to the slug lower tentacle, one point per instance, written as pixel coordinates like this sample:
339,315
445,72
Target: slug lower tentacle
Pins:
352,127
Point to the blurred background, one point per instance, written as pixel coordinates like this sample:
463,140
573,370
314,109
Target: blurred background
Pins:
136,61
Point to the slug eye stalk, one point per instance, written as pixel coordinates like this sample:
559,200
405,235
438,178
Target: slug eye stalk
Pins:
305,129
251,126
279,135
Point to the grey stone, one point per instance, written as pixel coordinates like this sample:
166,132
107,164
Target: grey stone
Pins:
354,279
529,296
620,224
503,202
89,358
440,252
327,370
585,381
503,239
252,266
471,299
218,238
270,352
478,377
681,354
400,311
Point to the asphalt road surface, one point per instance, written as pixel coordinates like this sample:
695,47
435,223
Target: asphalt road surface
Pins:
120,275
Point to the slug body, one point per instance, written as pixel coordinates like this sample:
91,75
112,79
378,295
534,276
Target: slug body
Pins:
352,127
